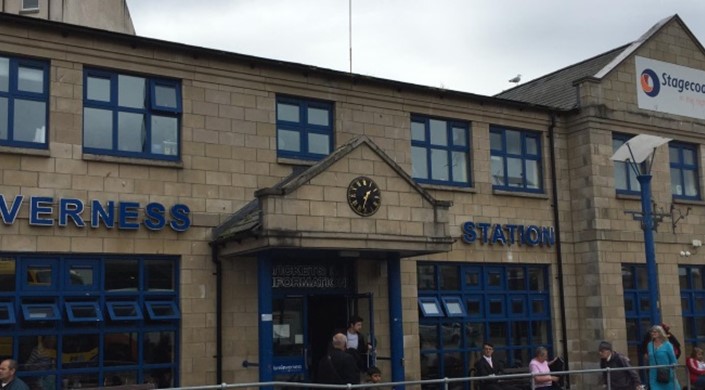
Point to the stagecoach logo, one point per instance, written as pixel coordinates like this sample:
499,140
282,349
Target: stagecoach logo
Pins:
670,88
308,276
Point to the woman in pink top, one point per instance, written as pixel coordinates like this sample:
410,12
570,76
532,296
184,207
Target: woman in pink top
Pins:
539,365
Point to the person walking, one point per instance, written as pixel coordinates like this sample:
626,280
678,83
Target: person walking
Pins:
8,369
661,352
618,380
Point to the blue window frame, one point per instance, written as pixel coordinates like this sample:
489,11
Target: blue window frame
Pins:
507,306
124,311
637,307
430,307
683,159
440,151
7,313
24,97
625,179
93,308
129,115
304,128
515,160
692,286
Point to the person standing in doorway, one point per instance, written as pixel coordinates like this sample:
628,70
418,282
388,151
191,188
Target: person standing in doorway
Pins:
8,369
338,366
356,344
618,380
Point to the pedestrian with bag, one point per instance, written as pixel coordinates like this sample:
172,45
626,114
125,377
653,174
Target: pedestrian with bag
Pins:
618,380
338,367
661,352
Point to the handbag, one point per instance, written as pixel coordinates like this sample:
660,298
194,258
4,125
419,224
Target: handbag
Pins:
663,375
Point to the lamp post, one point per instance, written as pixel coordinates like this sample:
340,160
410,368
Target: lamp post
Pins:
638,153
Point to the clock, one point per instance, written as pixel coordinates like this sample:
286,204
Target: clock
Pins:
364,196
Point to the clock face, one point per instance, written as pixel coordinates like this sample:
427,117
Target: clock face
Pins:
364,196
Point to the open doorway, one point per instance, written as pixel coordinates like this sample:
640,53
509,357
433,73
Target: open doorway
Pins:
326,315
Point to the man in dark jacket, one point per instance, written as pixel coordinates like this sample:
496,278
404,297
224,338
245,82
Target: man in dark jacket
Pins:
338,367
8,368
622,379
487,366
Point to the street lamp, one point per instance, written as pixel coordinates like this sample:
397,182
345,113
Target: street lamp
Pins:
638,153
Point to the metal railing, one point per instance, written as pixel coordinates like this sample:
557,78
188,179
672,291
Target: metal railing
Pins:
447,383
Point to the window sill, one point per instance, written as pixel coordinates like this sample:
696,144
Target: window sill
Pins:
294,161
520,194
439,187
628,197
25,151
692,202
133,161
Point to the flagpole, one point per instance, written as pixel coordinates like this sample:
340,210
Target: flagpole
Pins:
350,31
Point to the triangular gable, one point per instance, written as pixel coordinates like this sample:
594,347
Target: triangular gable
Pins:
293,214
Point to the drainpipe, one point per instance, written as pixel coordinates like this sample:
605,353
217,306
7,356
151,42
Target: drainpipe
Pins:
559,252
218,312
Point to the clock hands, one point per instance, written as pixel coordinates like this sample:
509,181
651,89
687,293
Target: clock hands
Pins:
364,199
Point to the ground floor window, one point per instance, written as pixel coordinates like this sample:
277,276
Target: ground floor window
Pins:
90,321
637,308
462,305
692,284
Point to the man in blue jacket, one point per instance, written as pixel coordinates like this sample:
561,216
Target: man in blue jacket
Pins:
8,368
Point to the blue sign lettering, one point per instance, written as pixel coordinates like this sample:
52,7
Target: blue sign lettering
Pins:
508,234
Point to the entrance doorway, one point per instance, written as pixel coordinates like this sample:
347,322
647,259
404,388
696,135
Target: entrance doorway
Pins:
304,326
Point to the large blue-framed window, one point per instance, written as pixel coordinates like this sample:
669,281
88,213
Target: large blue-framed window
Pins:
440,151
304,128
508,306
82,320
24,97
129,115
625,179
692,286
516,159
637,307
683,159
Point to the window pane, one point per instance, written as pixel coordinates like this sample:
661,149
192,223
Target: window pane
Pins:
697,278
120,349
418,131
160,276
318,143
497,170
79,350
98,89
287,112
97,128
515,279
514,172
131,92
425,277
131,132
513,142
495,141
690,183
532,146
537,282
419,164
39,275
532,174
165,96
460,167
4,74
164,135
676,187
688,156
81,276
620,175
121,275
30,121
673,155
289,140
3,118
318,116
30,79
459,136
43,353
158,347
439,134
7,276
450,277
439,164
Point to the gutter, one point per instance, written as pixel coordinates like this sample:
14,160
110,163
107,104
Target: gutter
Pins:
218,311
559,251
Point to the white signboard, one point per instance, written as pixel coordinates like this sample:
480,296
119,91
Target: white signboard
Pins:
669,88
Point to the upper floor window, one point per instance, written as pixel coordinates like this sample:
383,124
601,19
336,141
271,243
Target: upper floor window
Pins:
625,179
304,128
131,116
439,151
684,170
30,5
24,94
516,159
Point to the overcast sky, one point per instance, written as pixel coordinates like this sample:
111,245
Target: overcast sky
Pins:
467,45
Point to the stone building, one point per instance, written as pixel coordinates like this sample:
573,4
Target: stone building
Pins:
183,216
